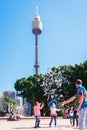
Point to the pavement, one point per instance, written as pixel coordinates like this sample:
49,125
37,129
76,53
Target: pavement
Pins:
27,124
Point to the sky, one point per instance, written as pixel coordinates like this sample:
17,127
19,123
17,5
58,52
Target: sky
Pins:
63,40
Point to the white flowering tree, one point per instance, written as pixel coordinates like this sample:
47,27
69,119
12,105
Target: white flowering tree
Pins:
52,83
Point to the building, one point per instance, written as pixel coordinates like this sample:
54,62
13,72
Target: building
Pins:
10,94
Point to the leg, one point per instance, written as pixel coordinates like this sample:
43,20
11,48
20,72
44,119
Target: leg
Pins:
55,120
36,122
86,119
77,120
81,119
70,120
51,120
73,120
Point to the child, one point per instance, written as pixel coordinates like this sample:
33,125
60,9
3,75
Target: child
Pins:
37,107
71,112
53,114
75,116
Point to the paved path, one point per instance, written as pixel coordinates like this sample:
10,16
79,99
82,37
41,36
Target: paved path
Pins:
62,124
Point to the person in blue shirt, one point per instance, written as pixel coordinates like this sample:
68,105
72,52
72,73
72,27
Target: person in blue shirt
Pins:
81,95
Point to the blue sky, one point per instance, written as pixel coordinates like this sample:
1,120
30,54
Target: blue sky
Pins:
63,39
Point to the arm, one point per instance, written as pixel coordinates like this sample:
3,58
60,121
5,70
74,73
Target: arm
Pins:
81,97
58,109
69,100
42,105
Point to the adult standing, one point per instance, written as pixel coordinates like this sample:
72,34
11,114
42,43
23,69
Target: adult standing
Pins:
81,95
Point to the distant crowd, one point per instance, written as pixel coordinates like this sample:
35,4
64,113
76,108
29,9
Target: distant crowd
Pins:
14,116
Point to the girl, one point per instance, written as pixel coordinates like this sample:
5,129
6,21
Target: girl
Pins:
53,114
37,107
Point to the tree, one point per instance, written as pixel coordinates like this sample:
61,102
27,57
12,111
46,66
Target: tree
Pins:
57,84
8,103
30,88
81,72
52,82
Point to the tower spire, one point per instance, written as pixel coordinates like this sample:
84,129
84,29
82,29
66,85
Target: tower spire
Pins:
37,10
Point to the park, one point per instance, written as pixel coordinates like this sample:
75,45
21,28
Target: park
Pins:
43,54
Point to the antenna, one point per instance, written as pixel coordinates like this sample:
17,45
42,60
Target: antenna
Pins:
37,10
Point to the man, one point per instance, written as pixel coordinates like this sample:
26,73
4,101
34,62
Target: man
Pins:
81,95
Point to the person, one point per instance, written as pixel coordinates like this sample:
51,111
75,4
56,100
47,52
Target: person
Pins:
53,114
12,116
81,95
75,115
17,115
71,112
37,107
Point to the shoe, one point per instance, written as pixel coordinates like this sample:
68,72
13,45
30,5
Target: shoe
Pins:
35,127
39,127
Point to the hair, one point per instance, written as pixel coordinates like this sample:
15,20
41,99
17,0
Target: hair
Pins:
53,103
78,81
36,103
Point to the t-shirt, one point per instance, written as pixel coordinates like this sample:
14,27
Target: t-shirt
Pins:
81,91
71,113
53,111
37,110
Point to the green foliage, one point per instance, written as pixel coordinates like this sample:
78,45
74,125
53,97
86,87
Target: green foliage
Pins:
30,88
6,101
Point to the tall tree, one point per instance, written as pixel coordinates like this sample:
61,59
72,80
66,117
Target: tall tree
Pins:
30,88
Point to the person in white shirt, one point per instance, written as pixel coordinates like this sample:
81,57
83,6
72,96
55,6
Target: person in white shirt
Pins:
71,112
